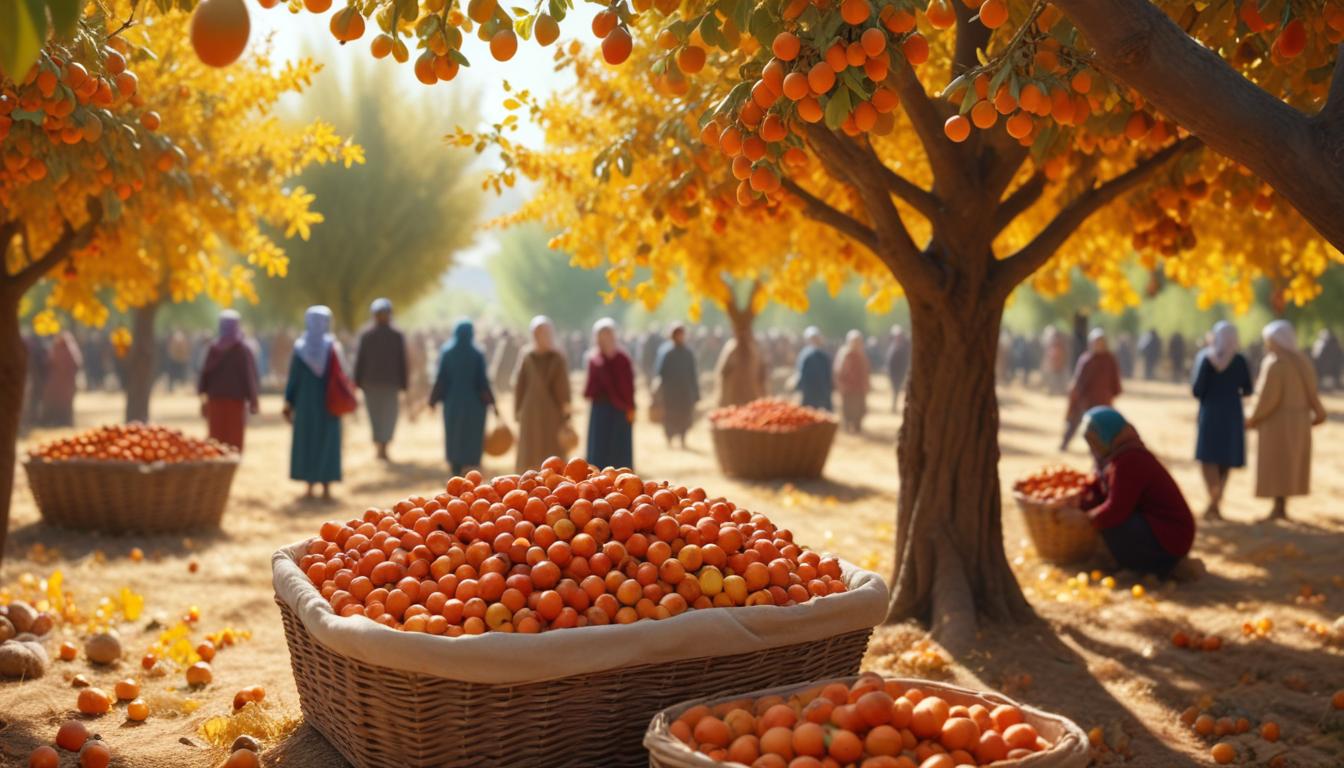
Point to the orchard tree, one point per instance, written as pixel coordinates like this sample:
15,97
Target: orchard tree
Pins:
130,172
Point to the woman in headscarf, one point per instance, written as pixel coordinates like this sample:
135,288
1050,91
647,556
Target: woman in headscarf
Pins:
813,376
463,386
315,454
228,382
540,397
852,381
1285,412
678,384
611,389
58,389
1134,504
1222,379
1096,381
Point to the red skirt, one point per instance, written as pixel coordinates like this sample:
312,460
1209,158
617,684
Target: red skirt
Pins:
227,418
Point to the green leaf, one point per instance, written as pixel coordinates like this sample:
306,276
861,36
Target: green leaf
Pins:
21,37
964,79
837,108
854,82
64,16
997,81
742,14
968,100
764,26
457,56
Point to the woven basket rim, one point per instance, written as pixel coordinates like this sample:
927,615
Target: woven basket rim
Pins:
1069,502
658,735
831,421
232,457
495,643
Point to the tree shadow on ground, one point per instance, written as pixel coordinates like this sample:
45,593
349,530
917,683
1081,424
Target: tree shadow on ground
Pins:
841,492
304,747
75,543
404,477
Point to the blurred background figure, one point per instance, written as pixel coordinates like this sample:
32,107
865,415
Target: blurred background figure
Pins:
36,380
417,374
177,358
541,397
1329,360
315,453
1176,356
1054,360
64,362
678,384
852,381
464,389
228,382
381,372
1124,355
1285,411
1222,379
898,363
503,360
1096,381
812,375
611,390
1150,351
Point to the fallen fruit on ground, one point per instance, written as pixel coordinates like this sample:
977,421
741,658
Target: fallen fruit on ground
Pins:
71,735
44,757
199,674
94,754
767,415
93,701
564,546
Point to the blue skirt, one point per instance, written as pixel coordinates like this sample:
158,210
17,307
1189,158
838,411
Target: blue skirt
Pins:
610,436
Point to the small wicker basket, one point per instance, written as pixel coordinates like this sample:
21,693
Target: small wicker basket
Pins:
764,455
1070,748
377,716
1060,531
499,440
124,496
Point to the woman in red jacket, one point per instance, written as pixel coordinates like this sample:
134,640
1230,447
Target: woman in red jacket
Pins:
1134,503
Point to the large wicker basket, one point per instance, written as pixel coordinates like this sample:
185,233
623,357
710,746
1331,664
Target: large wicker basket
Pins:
376,715
1070,748
761,455
1059,530
125,496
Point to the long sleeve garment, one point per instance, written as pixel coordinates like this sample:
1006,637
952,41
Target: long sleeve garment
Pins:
611,379
679,386
229,373
1134,482
462,385
315,453
1222,422
1283,414
814,378
380,359
541,405
1096,381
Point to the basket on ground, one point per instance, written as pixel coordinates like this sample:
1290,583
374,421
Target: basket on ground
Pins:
763,455
1060,531
576,697
123,496
1068,744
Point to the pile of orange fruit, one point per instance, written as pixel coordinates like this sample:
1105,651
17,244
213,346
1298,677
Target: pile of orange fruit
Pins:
1053,483
874,723
131,442
767,415
564,546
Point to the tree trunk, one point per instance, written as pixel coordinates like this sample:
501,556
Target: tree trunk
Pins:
13,373
741,373
949,561
140,363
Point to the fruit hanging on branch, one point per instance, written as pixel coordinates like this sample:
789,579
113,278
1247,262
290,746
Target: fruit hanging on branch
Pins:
219,30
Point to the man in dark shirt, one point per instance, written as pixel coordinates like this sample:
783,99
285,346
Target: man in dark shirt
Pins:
380,370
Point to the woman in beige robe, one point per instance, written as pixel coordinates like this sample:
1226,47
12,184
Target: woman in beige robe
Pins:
1287,409
540,397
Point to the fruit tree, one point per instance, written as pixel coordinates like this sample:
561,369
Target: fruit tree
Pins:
133,173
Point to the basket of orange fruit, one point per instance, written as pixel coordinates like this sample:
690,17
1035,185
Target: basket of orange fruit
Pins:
867,721
1049,499
542,619
131,477
771,438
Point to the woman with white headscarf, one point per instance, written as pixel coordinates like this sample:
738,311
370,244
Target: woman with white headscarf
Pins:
228,382
1222,378
812,374
315,454
611,389
852,373
540,397
1286,410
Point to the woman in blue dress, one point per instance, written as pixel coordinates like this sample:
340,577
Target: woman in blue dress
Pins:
315,453
1222,378
463,386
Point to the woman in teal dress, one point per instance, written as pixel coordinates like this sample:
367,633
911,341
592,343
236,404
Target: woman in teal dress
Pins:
463,387
315,453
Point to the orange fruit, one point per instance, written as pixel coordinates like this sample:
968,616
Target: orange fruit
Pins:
94,754
93,701
44,757
1223,753
71,735
219,30
957,128
199,674
126,689
137,710
617,45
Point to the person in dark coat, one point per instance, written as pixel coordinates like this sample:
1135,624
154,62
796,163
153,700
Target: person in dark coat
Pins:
678,384
463,386
1328,358
813,375
381,372
898,363
1096,381
228,382
1176,355
611,390
315,454
1222,378
1150,349
650,349
37,380
1134,504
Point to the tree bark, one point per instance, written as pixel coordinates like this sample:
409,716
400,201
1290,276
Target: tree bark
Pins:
743,364
950,562
13,375
1301,156
141,363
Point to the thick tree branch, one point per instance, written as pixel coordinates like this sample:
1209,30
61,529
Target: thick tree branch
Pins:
949,168
1333,114
7,232
917,197
1020,200
71,240
821,211
1301,157
1007,273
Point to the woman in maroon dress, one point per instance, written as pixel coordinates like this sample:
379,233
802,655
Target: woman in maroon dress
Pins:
228,383
611,388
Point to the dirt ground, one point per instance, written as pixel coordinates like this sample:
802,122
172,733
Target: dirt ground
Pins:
1101,655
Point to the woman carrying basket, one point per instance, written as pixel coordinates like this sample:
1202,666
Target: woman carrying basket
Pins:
1135,504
